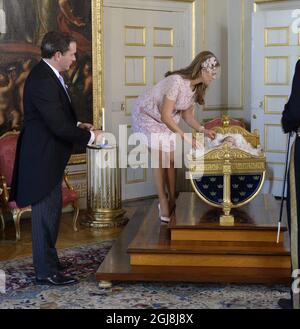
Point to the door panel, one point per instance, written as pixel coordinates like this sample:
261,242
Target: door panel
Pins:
140,47
276,51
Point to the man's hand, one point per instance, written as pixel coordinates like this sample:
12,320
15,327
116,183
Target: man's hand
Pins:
86,126
98,134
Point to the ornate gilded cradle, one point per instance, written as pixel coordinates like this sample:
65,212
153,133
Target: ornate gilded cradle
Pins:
227,177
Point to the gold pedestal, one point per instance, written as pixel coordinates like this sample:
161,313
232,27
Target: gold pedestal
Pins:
104,203
227,220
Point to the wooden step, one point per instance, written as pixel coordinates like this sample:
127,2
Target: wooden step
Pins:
224,235
210,248
146,236
153,237
196,260
154,246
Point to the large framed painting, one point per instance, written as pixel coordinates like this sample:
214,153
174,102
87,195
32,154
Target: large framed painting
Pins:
23,23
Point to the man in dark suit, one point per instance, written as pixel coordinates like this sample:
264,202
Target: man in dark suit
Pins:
290,124
50,130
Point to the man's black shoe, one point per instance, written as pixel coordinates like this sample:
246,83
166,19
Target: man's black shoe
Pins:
56,280
64,266
285,303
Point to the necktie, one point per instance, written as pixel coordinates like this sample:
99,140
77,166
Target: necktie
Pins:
62,81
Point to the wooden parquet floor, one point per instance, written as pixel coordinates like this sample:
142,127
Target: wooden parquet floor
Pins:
10,249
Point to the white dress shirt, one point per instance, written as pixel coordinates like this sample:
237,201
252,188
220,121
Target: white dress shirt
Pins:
92,139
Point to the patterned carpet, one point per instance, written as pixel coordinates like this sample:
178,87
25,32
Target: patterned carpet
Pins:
22,293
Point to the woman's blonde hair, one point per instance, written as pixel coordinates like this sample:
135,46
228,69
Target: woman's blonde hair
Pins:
193,72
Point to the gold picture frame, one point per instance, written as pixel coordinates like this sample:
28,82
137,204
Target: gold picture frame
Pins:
25,26
97,60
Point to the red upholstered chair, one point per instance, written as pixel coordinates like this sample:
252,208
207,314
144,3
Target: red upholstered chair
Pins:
224,121
8,144
1,214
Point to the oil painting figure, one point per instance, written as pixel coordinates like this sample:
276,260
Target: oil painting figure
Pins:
23,24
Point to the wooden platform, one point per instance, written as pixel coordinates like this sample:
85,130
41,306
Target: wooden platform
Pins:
146,251
255,222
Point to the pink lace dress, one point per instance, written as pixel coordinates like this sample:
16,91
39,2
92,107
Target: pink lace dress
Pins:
146,114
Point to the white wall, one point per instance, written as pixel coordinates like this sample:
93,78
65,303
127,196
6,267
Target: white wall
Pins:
222,31
227,32
224,27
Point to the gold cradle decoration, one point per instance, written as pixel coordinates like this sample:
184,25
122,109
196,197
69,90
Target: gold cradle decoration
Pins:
229,161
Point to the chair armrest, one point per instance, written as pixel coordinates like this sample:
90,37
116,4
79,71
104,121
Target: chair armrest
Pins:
66,180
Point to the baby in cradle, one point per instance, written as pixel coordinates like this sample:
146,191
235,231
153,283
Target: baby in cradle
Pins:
233,141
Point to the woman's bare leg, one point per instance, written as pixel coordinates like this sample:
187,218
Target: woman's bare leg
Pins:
160,183
171,182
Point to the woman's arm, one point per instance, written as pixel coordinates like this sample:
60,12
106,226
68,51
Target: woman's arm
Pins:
167,109
167,118
189,117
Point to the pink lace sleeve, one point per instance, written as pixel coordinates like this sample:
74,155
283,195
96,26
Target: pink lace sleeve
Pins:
173,87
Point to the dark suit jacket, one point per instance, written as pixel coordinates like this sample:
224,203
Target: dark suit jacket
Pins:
47,137
291,113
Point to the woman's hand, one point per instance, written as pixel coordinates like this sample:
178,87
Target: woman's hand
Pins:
210,134
195,144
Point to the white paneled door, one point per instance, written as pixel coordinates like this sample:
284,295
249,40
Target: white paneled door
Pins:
276,51
141,45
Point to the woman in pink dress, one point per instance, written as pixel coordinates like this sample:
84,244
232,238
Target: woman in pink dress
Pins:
157,113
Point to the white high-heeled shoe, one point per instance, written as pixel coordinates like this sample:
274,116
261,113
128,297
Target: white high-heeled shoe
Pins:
164,219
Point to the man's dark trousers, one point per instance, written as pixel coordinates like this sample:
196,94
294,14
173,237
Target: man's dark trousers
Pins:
46,216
